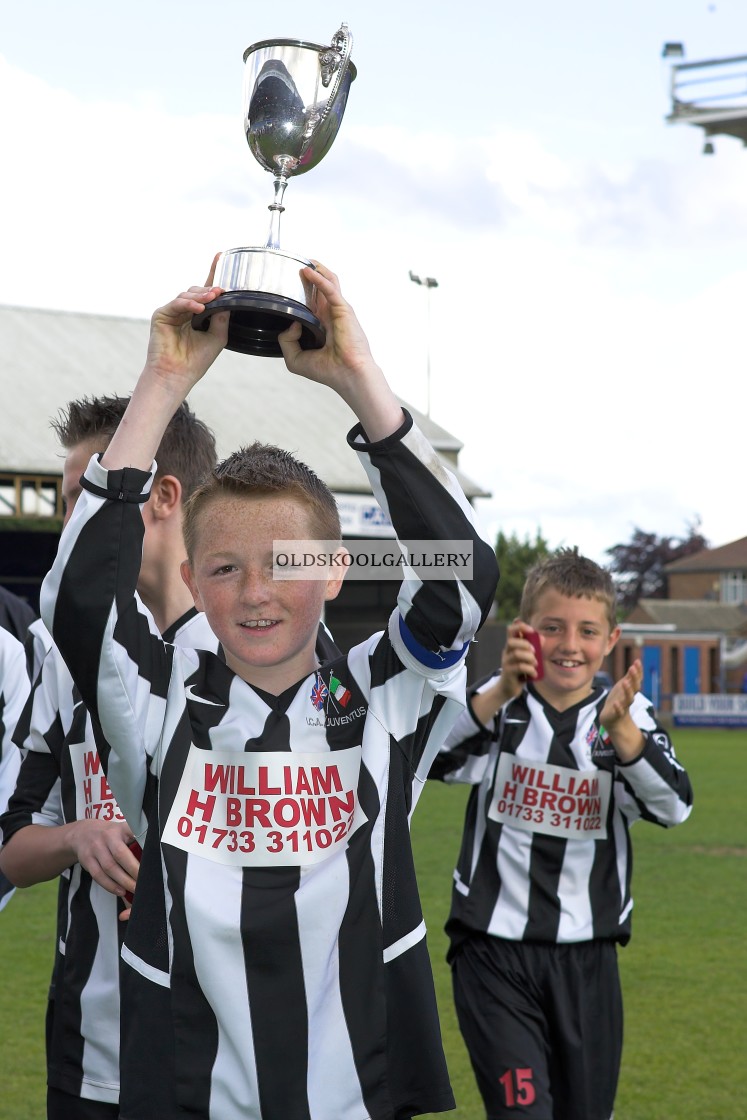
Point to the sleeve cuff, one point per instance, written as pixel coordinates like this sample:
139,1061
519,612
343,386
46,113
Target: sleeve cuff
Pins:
128,484
643,753
359,441
475,719
432,660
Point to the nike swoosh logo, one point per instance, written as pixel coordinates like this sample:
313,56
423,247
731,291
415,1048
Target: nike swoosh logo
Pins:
188,692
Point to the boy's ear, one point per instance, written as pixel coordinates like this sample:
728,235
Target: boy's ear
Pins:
338,573
165,496
189,579
613,639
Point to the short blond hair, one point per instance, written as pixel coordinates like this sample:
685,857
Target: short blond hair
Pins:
571,574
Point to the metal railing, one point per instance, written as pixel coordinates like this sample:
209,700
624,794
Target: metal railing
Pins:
714,85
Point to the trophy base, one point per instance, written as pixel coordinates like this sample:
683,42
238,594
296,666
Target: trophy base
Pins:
257,319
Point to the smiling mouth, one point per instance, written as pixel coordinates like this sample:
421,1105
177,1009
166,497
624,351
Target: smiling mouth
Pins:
259,623
565,664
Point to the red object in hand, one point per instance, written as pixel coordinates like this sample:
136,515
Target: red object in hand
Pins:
137,851
536,644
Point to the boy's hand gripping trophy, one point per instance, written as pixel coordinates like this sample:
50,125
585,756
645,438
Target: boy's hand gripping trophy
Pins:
294,97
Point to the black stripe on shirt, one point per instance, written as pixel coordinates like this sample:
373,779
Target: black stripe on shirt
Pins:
277,996
361,989
77,964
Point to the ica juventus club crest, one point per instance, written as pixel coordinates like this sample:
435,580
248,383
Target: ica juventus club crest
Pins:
336,695
333,699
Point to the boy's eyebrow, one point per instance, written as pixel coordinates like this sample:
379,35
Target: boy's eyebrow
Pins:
212,556
559,618
217,552
228,554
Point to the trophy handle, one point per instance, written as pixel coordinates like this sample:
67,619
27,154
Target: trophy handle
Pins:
333,61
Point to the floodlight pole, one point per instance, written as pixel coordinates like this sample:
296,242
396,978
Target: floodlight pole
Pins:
426,282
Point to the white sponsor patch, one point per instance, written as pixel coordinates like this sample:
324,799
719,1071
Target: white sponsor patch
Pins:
271,809
553,800
93,798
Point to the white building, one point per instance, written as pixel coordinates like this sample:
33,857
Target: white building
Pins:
52,357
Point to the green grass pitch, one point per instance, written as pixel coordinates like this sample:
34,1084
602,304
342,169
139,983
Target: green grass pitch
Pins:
684,973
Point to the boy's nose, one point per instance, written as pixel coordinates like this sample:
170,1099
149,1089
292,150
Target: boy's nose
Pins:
570,642
255,587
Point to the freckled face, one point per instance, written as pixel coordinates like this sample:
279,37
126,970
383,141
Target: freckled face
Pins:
267,627
576,638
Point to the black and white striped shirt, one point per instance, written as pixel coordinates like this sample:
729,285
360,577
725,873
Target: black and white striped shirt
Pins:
300,986
14,688
546,855
61,779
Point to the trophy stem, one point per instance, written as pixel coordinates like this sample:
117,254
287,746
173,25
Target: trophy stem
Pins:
276,208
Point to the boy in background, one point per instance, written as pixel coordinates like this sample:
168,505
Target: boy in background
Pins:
277,822
542,889
63,819
14,688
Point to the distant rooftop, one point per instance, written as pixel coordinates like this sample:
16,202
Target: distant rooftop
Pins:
731,556
690,615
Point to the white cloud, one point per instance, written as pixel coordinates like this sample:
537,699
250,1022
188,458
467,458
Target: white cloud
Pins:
585,337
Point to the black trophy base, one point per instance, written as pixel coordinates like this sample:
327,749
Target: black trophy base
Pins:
258,318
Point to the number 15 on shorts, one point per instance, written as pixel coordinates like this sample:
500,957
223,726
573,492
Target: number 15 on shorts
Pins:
518,1087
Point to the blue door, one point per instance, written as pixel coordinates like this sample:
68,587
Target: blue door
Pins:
652,673
692,669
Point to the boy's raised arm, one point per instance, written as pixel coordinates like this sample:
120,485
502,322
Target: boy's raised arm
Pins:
345,362
424,501
88,598
178,357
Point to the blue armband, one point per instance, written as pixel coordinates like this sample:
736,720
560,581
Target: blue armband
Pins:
431,660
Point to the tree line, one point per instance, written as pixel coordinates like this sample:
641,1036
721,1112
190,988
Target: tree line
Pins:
637,566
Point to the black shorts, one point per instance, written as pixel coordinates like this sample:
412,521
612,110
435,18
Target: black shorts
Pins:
64,1106
543,1026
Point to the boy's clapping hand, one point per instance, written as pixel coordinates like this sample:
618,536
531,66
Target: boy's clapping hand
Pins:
627,738
620,696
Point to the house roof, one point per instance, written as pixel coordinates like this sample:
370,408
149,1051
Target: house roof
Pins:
724,558
52,357
691,615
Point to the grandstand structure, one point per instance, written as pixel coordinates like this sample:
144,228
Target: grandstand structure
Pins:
710,94
52,357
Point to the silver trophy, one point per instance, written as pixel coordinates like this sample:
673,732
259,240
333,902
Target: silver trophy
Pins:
294,97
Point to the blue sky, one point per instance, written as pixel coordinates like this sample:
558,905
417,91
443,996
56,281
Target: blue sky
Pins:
585,339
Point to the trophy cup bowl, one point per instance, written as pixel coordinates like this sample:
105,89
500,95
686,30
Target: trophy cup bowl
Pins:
294,99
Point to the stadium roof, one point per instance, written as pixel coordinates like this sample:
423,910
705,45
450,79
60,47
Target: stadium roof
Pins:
52,357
